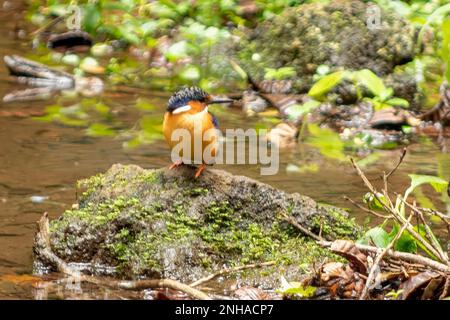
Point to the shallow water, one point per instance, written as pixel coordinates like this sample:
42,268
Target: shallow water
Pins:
43,160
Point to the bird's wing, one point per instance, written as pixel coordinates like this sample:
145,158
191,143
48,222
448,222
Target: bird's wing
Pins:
214,120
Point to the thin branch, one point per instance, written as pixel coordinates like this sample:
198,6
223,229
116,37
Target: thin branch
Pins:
377,261
398,164
428,230
402,256
446,289
301,228
405,256
395,214
379,215
230,270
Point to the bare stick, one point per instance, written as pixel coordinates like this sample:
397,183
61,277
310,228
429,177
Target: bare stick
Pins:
43,240
379,215
377,261
446,288
429,232
396,215
405,256
402,256
230,270
398,164
301,228
432,212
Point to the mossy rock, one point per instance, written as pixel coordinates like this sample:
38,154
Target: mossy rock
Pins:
335,34
166,224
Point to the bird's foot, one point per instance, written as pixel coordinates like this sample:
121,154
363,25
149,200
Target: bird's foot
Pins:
176,164
200,170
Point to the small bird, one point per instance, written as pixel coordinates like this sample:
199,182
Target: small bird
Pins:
188,109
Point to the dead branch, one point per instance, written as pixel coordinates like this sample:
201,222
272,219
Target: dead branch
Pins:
379,215
400,160
397,255
377,261
427,228
396,215
43,239
230,270
446,289
405,256
301,228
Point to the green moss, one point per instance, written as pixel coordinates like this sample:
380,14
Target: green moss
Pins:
335,225
194,192
144,227
91,184
330,33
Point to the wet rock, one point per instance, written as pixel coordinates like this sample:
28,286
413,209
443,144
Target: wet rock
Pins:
388,118
253,103
165,224
284,134
70,41
333,34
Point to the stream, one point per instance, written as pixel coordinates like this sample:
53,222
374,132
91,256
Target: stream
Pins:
40,162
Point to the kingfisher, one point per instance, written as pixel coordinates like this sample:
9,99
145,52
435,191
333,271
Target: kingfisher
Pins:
188,109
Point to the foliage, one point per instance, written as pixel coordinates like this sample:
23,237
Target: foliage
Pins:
381,96
406,242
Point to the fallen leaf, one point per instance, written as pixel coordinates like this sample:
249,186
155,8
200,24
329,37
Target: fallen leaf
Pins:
412,287
348,250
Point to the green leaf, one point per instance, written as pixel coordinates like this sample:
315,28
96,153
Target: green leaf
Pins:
279,74
99,130
298,110
376,235
437,183
420,229
304,292
399,102
386,94
327,141
445,51
373,203
406,242
144,104
371,81
325,84
190,73
177,50
91,18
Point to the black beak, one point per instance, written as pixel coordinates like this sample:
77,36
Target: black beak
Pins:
219,100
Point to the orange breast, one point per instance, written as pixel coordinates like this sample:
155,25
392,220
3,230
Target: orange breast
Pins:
196,123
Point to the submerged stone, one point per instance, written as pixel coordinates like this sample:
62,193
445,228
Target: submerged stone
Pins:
166,224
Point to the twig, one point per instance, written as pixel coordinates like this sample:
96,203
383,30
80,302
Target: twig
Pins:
302,229
402,256
402,156
43,244
432,212
230,270
379,215
395,214
428,231
377,261
446,288
48,25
